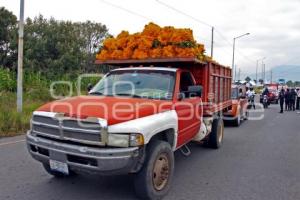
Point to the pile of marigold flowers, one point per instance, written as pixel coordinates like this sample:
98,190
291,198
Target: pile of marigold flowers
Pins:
153,42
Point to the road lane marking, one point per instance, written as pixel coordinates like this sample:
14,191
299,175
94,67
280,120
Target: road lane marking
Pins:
14,142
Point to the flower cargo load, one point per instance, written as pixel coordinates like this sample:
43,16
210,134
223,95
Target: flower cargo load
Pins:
153,42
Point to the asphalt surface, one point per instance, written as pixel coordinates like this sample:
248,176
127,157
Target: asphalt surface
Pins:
259,160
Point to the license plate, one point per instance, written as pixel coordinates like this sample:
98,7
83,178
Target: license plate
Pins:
59,167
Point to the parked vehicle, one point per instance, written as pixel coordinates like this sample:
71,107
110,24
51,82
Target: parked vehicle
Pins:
116,130
239,108
273,95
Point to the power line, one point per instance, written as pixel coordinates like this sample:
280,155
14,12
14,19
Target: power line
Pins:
204,23
230,46
195,19
230,53
183,13
126,10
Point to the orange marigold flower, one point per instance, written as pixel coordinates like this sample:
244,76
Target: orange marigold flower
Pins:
168,51
117,54
110,43
153,42
127,53
151,30
156,53
140,54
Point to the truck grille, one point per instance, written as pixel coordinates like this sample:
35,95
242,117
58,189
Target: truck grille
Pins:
68,129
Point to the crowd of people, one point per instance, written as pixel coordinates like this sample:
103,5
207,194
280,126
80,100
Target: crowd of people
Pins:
291,98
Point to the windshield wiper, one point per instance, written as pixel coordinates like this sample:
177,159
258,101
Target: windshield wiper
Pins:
96,93
127,94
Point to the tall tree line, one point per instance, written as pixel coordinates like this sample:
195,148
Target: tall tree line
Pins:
51,47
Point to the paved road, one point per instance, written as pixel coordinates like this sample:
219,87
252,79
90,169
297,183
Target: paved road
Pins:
259,160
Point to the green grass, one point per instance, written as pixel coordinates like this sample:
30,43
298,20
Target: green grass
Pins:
12,122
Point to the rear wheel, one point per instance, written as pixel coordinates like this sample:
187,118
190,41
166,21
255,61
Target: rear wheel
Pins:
216,136
154,179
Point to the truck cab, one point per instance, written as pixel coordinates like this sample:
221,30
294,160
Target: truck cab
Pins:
131,122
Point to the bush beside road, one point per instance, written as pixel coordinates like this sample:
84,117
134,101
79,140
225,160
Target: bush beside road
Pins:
36,93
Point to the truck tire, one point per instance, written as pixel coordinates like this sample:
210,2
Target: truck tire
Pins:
216,136
57,174
237,120
154,179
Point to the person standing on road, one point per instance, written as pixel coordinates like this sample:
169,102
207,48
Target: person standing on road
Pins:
281,100
251,97
287,99
298,99
293,99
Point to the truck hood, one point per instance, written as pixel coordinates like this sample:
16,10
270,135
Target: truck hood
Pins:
114,109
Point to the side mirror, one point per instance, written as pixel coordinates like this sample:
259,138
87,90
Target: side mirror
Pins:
180,96
89,87
195,90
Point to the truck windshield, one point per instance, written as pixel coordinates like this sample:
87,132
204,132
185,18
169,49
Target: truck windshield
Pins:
152,84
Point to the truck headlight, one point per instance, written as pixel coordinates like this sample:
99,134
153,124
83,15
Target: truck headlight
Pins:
136,139
125,140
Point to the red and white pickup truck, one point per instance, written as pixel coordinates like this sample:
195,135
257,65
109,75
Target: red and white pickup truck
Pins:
134,120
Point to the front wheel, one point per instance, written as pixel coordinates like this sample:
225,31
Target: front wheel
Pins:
154,179
237,120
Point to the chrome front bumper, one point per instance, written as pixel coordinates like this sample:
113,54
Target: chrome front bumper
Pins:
80,158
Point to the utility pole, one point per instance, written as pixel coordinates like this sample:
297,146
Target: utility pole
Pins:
262,59
264,72
235,67
212,42
20,59
271,76
234,70
256,72
233,80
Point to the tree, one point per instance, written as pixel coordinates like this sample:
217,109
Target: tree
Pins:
248,79
60,47
290,83
8,30
92,35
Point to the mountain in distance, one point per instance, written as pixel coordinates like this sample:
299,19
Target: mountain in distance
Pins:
287,72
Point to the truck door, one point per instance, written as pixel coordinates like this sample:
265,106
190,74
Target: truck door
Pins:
188,110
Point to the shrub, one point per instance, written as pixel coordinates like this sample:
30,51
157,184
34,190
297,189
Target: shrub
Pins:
7,80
